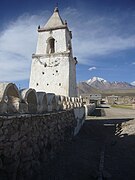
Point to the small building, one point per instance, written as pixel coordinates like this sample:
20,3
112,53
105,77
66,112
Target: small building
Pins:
95,98
112,99
92,99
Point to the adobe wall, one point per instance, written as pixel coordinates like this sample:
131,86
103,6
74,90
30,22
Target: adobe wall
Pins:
28,140
120,100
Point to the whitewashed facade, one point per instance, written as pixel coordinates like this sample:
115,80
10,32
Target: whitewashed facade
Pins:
53,67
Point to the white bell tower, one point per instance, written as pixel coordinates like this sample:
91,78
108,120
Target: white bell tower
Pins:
53,67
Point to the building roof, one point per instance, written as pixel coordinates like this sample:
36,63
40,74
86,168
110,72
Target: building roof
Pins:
55,21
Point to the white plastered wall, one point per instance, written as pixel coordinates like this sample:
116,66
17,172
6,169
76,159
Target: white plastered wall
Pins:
56,72
52,78
60,41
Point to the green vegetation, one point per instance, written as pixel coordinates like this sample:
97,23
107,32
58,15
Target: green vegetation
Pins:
122,106
118,92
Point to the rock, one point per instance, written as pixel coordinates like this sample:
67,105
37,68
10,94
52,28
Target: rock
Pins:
1,164
1,123
27,141
7,122
94,174
14,137
106,174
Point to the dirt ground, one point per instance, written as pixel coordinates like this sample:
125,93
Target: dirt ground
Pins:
104,149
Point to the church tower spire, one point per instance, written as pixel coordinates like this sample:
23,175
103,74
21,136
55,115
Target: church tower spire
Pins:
53,66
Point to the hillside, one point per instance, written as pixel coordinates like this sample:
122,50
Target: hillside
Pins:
103,84
98,85
84,88
119,92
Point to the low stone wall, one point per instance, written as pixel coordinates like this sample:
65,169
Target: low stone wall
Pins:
80,118
89,109
27,140
14,101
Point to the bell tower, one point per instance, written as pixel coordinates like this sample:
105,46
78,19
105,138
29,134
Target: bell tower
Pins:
53,68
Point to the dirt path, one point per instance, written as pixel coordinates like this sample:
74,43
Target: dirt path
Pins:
119,112
111,113
81,159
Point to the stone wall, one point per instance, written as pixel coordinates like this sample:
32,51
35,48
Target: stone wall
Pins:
89,108
28,140
14,101
33,126
80,119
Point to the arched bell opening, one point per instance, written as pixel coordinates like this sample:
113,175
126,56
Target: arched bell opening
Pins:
50,46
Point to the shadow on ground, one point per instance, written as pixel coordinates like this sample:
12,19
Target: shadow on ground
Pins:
80,159
98,112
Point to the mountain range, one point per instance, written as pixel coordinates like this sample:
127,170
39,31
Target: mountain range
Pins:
97,85
102,84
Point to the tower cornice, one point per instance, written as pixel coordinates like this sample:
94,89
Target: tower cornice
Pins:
53,28
65,54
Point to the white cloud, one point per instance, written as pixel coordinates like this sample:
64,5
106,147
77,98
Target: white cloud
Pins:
92,68
133,63
93,36
17,43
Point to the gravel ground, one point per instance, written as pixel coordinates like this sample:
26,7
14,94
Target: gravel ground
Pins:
105,146
119,112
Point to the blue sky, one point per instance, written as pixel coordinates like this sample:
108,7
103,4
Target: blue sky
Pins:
103,37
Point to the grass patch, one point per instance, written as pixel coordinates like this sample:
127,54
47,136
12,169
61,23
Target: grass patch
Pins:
122,106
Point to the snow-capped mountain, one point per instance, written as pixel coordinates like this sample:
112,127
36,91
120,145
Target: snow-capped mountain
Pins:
90,81
101,83
133,83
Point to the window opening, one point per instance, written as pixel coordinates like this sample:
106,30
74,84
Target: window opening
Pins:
50,45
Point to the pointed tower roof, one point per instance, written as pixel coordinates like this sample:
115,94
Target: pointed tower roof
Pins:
55,22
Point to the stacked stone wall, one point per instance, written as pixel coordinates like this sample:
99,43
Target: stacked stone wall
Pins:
33,127
89,108
28,140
